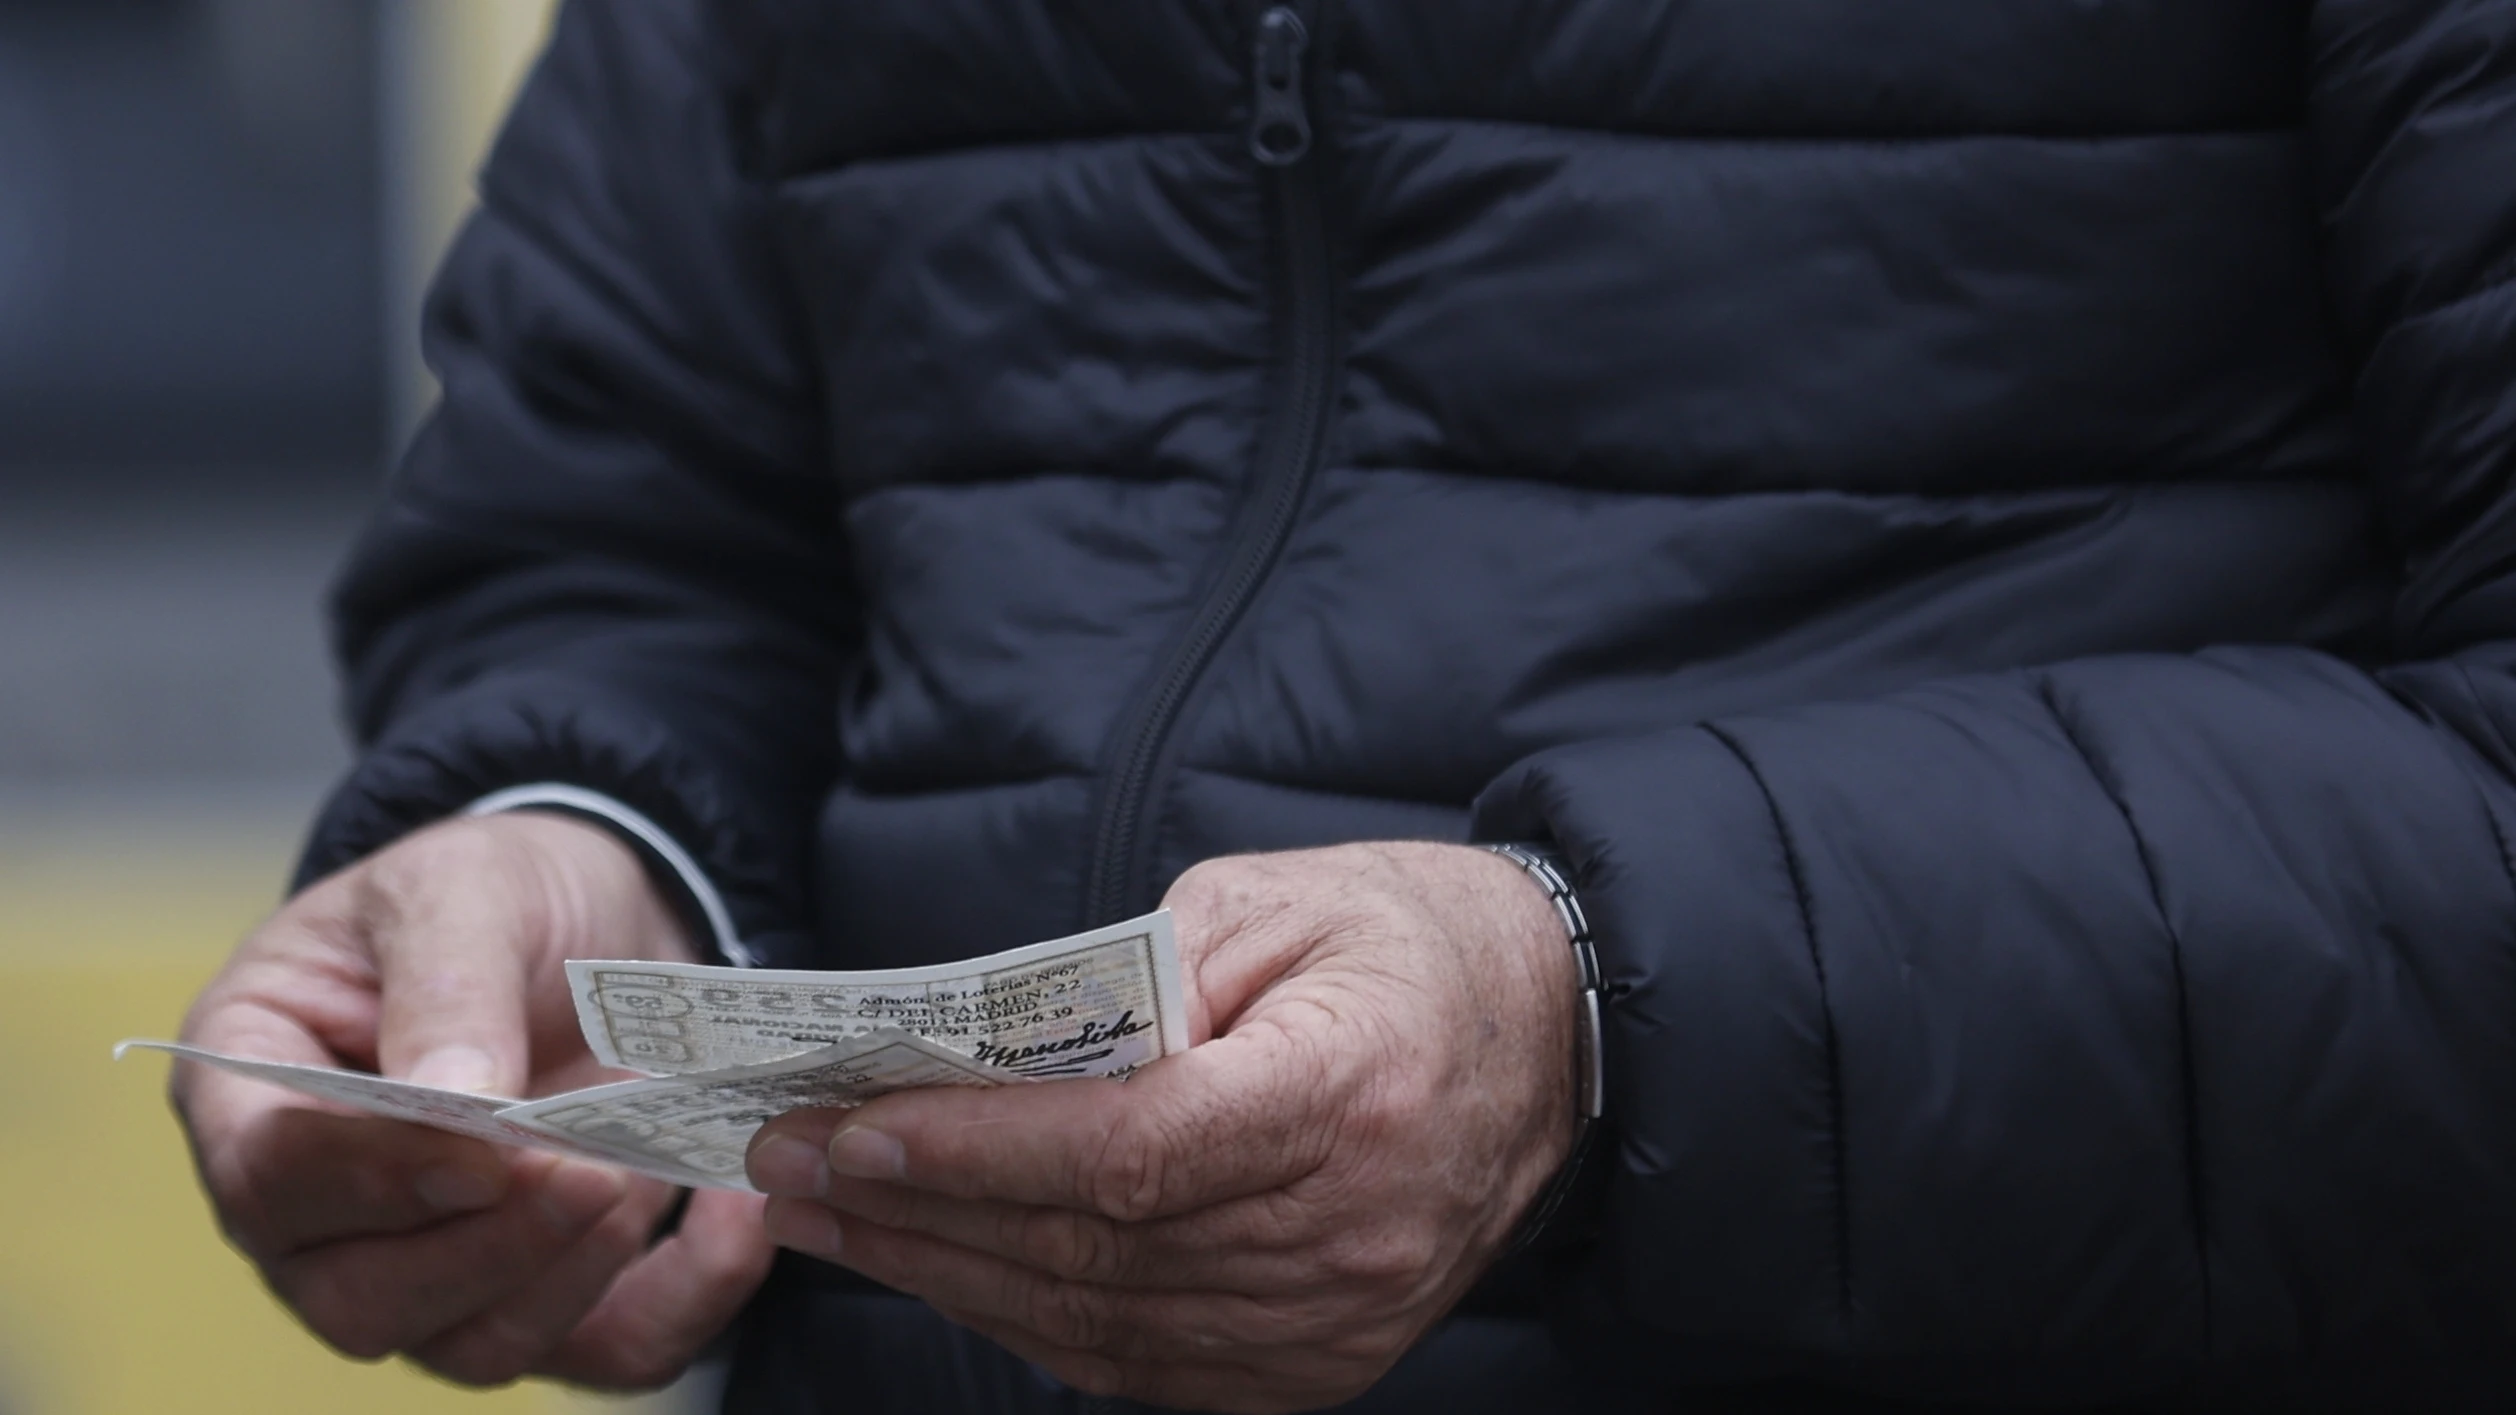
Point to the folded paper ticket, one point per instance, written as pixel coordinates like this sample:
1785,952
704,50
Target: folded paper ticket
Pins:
690,1130
1097,1004
726,1049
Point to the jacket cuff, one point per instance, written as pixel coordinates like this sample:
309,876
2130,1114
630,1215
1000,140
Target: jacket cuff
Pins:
686,887
1720,1102
523,729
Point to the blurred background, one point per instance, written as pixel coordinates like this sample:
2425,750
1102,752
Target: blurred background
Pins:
216,217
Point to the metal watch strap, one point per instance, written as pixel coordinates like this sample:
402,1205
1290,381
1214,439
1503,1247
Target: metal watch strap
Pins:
1589,1074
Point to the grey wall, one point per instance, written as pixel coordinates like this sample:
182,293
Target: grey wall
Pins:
189,269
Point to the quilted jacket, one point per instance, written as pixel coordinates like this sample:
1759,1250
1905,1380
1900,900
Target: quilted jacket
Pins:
1985,533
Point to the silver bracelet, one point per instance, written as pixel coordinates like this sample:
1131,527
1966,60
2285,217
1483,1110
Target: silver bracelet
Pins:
1589,1081
1589,1066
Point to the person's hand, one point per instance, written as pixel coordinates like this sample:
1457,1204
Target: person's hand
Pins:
438,961
1269,1220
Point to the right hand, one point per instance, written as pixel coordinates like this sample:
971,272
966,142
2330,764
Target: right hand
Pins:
438,960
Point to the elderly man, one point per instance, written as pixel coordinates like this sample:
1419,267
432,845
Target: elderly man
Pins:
1973,547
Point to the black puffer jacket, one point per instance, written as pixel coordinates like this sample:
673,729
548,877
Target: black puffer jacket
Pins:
1986,532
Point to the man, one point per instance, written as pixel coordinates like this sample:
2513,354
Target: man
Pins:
1981,539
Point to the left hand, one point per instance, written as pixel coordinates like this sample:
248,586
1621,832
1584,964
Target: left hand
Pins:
439,959
1267,1221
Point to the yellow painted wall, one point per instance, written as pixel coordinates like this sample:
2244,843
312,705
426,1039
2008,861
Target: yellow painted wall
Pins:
458,63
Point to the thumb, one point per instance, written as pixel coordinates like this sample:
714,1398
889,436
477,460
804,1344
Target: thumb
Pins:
1236,1116
453,928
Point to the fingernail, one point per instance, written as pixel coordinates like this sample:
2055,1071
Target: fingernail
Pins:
861,1152
782,1164
574,1195
456,1069
452,1189
804,1227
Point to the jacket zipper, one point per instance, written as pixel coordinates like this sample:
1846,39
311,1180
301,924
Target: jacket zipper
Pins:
1289,450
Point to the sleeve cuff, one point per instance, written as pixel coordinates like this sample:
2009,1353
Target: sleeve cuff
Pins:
694,894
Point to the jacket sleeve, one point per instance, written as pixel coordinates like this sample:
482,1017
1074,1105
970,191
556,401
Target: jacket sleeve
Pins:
609,560
2124,1026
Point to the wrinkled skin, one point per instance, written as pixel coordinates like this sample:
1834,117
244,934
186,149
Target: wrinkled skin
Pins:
1266,1222
438,960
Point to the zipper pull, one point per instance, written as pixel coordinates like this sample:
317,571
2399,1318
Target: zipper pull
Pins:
1279,125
